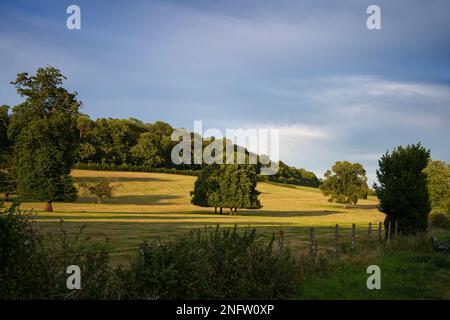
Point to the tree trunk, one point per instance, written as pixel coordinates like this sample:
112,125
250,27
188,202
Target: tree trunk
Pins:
49,206
215,210
220,210
231,211
235,210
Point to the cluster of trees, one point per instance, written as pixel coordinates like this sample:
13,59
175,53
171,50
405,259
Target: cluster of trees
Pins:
43,137
292,175
124,141
410,185
346,183
230,186
131,142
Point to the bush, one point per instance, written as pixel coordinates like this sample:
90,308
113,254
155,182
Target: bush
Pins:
438,220
100,190
222,264
32,269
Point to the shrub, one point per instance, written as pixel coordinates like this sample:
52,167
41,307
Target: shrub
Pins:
222,264
100,190
438,220
31,268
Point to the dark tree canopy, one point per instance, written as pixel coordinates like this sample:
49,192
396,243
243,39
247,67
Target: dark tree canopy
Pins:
346,183
7,183
227,186
402,188
43,129
131,142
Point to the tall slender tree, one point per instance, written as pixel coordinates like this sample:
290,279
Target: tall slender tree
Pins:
402,188
43,129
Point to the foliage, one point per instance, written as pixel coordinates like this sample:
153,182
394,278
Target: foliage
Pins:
226,186
222,264
43,131
7,182
438,219
346,183
33,269
133,168
403,190
438,182
130,142
292,175
100,190
147,150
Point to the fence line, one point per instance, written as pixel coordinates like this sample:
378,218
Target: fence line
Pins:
333,237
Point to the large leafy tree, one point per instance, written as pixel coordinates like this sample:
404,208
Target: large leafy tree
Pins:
206,188
43,128
148,151
402,188
7,183
438,181
227,186
345,183
292,175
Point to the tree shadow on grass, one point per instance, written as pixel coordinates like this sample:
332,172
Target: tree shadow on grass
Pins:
116,179
269,213
136,200
365,206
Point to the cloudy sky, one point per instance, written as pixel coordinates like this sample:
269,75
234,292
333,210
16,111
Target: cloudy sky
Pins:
312,69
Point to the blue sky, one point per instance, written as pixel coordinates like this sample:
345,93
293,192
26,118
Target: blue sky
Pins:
334,89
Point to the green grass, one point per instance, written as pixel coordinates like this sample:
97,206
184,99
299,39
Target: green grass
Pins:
147,205
408,273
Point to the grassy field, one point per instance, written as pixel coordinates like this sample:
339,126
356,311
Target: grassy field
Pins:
146,205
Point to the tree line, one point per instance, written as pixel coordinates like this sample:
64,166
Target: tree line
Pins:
45,136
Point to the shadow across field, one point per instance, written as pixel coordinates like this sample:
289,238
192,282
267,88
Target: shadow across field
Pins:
116,179
366,206
268,213
137,200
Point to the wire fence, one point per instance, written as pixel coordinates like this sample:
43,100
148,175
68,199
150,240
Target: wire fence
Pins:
306,240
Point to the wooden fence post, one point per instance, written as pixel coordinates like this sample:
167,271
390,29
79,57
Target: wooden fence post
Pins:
142,249
353,234
280,240
379,232
370,231
311,242
389,231
336,237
